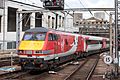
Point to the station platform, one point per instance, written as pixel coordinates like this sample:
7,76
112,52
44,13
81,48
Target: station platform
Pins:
8,69
6,55
104,71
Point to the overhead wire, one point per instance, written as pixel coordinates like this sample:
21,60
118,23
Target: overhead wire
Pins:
108,14
70,9
27,20
85,7
90,11
68,6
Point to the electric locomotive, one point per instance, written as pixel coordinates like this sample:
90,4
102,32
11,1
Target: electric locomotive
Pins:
42,48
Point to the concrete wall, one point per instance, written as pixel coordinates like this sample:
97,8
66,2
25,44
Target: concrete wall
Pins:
1,3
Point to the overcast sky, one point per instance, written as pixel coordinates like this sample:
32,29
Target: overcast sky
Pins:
90,3
76,3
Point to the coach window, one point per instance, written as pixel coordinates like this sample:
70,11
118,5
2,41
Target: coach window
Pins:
108,42
90,42
94,42
101,42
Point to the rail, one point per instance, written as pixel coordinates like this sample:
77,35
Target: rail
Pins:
89,73
80,65
92,70
13,75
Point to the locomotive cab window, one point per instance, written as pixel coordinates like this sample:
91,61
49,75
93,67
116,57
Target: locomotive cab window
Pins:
34,36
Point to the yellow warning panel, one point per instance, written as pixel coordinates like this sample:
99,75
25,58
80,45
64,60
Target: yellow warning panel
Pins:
31,45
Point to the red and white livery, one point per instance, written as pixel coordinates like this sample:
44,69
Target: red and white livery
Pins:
42,48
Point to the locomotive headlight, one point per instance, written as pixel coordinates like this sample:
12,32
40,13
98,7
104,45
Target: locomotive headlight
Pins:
20,51
46,51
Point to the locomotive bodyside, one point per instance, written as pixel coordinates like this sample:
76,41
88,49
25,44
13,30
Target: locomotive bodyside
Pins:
43,48
40,48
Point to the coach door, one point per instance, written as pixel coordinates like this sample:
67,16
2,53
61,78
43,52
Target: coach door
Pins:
104,44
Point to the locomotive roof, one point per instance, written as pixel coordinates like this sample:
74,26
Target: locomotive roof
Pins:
43,29
38,29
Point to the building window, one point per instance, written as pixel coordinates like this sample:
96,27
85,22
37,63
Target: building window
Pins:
11,45
11,19
38,19
0,45
2,3
56,21
62,21
59,21
26,21
49,21
53,20
0,23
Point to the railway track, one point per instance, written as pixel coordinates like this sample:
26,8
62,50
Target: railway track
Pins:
7,61
13,75
69,71
84,71
66,72
22,75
